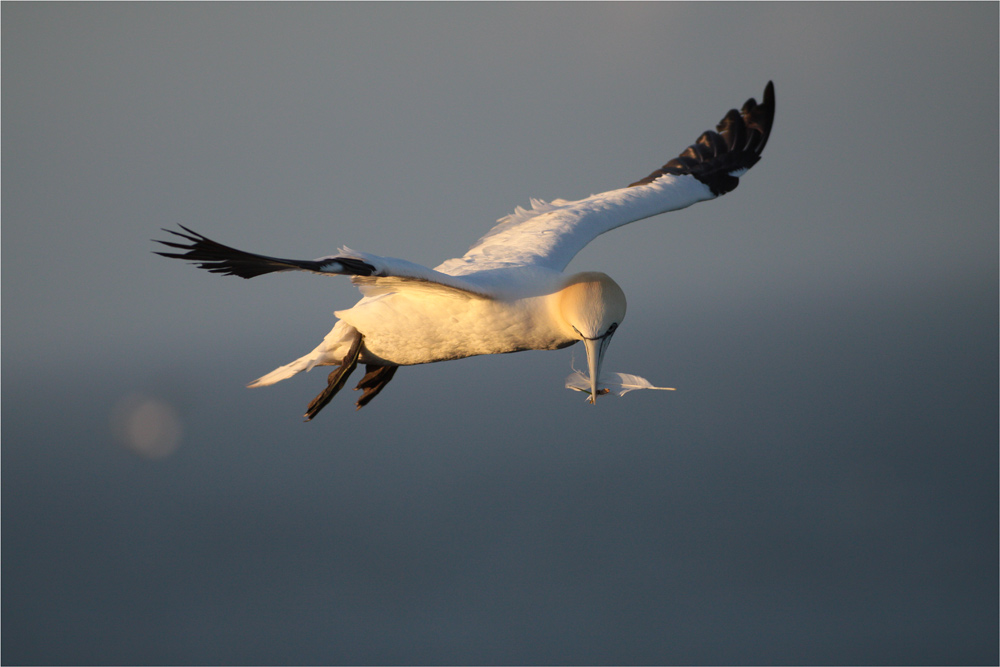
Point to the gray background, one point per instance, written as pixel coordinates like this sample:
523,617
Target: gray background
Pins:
822,487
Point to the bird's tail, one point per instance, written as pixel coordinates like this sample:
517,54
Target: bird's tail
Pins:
284,372
330,352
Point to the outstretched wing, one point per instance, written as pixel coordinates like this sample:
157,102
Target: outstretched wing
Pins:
551,234
368,271
217,258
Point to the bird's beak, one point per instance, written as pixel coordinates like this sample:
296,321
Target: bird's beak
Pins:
595,355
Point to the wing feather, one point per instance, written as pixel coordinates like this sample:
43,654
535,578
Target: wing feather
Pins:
549,235
215,257
377,274
545,237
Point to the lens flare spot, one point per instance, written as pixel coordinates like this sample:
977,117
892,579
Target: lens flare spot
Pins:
148,426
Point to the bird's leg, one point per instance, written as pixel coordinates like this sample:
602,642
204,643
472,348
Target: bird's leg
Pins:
336,379
375,379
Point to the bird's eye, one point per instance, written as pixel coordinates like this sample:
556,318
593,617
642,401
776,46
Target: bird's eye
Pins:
611,329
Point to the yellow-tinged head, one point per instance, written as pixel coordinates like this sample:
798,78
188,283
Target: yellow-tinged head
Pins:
593,305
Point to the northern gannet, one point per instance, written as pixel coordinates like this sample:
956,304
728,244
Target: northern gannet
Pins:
508,293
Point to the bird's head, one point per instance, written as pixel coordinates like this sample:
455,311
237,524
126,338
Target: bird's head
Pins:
593,305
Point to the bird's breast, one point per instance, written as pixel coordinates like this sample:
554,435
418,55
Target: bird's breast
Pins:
405,329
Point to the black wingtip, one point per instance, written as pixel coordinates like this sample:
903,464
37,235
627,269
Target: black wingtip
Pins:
719,158
761,116
215,257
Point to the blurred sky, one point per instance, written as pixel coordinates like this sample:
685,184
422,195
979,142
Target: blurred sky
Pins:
822,488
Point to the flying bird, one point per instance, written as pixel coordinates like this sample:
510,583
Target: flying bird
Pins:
508,293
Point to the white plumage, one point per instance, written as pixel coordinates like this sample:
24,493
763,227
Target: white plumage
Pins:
508,292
